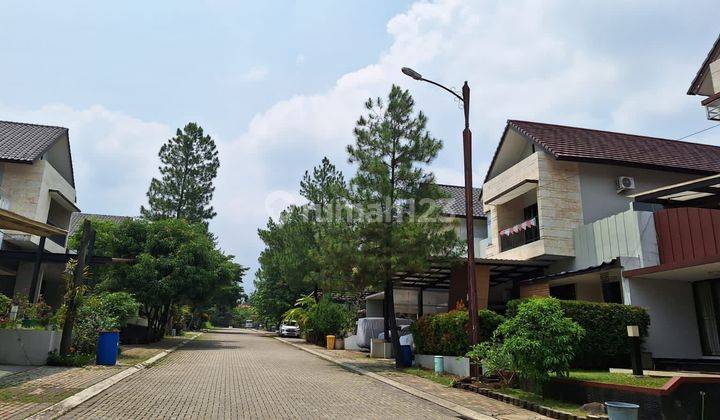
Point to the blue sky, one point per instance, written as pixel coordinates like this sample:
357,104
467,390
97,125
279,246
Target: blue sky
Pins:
280,84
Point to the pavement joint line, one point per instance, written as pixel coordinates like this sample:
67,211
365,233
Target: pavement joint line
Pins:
442,402
58,409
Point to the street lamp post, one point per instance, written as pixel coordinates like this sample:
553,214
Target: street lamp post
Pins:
467,158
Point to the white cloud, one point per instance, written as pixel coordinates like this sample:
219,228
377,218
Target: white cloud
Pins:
114,155
253,74
300,59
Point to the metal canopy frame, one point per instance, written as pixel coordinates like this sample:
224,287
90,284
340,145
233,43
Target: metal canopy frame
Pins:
701,192
439,273
13,221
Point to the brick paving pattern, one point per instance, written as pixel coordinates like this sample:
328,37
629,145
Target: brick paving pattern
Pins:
228,374
471,400
30,391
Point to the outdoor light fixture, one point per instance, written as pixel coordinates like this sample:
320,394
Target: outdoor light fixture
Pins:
467,158
633,332
412,73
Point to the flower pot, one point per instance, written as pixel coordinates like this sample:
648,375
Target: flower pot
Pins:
339,343
330,341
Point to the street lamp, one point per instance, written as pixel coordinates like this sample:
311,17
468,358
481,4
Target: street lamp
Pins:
467,157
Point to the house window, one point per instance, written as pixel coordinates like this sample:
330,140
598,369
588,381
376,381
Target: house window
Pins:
532,234
564,292
612,293
707,297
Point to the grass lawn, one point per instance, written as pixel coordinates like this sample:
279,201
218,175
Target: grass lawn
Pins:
619,378
444,379
554,404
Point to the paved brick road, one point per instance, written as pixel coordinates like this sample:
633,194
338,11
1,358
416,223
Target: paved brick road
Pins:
230,374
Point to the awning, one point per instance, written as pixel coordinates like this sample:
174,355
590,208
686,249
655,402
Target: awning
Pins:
513,192
438,275
565,274
13,221
701,192
64,201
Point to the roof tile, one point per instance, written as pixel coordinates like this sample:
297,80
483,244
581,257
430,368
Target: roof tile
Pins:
22,142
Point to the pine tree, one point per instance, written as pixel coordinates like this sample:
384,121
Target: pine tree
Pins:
401,230
189,164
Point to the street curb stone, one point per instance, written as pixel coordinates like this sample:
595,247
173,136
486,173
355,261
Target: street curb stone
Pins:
459,409
62,407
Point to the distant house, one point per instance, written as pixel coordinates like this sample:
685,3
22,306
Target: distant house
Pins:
77,219
36,181
707,82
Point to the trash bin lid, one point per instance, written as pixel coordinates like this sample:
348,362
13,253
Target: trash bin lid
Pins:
618,404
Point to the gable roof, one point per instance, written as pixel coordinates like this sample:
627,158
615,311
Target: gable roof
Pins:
25,143
77,219
713,54
455,205
607,147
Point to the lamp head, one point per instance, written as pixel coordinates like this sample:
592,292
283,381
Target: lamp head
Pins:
412,73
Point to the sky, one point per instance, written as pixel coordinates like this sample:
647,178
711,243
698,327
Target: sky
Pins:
279,85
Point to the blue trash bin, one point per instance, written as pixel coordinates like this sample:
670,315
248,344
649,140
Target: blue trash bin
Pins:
621,410
439,364
406,356
107,348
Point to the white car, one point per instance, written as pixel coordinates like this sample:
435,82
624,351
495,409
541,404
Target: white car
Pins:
289,329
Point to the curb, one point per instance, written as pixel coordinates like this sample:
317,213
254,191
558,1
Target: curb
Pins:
58,409
459,409
538,408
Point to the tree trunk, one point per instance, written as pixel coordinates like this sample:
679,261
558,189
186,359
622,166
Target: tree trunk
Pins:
84,254
391,321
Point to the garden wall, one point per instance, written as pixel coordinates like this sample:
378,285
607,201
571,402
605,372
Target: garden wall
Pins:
27,347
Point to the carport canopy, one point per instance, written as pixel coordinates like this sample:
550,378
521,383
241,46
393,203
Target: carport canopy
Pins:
701,192
13,221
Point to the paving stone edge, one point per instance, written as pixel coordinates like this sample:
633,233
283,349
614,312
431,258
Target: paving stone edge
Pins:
58,409
459,409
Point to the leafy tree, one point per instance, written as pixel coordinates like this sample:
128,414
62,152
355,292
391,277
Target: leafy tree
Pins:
189,164
170,262
391,188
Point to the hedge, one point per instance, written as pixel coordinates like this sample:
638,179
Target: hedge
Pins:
605,344
447,333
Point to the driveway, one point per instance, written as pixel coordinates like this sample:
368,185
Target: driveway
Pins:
238,374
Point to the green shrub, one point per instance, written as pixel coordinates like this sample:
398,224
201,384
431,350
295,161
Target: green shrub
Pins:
71,360
605,343
447,333
538,340
5,305
327,318
101,312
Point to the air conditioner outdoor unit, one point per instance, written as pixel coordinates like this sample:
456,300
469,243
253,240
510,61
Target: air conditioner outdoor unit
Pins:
625,183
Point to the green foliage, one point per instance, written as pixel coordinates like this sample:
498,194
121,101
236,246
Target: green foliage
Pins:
538,340
301,312
71,360
101,312
605,343
242,313
327,318
447,334
5,305
175,263
189,166
494,359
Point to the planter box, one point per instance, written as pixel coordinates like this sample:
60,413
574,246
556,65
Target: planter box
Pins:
455,365
680,398
379,349
27,347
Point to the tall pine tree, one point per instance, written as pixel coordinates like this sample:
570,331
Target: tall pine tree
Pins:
402,230
189,164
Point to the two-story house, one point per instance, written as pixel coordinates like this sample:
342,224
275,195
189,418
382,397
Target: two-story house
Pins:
707,82
36,181
590,206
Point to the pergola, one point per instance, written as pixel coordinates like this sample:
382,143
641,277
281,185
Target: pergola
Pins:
438,276
701,192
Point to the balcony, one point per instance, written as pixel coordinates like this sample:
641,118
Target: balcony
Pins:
523,233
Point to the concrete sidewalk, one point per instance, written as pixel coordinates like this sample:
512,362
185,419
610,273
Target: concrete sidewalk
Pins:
477,403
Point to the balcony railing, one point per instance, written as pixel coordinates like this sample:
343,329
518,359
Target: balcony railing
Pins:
520,234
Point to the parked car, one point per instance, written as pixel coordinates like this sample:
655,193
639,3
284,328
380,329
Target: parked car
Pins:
248,323
289,329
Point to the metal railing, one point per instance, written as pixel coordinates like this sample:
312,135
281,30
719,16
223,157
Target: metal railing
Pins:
520,234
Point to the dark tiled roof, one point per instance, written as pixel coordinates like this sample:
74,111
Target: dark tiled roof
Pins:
582,144
21,142
77,218
712,55
455,205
